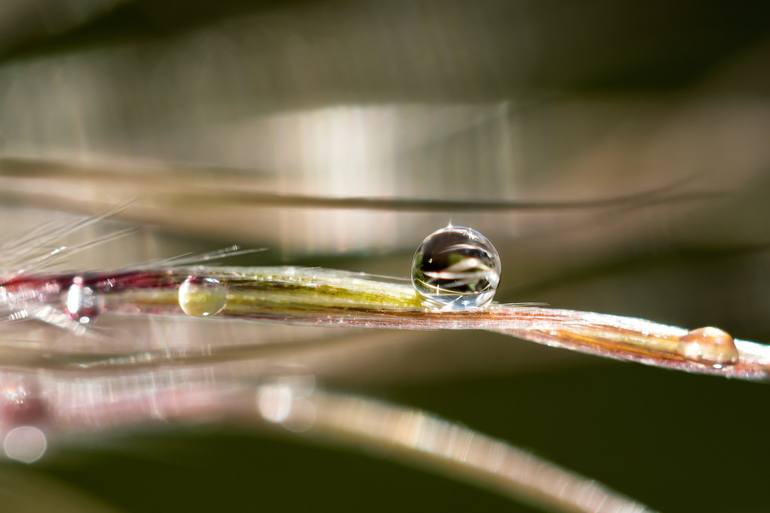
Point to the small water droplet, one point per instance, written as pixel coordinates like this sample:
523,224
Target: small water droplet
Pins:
82,302
202,297
456,268
709,345
21,402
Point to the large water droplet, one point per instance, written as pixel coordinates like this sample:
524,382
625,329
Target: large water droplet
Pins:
82,302
202,297
709,345
456,268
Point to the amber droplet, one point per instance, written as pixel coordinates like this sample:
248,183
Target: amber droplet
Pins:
202,297
709,345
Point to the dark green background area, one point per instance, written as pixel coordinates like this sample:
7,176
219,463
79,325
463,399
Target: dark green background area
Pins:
599,45
676,442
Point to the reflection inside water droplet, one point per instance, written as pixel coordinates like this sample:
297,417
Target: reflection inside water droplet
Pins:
82,302
456,268
202,297
709,345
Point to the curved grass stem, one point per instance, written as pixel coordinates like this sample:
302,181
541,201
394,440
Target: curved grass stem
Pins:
321,297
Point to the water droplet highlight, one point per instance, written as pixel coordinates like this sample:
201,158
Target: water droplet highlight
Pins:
82,302
202,297
456,268
709,345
